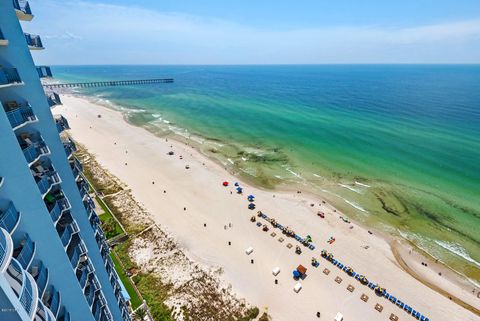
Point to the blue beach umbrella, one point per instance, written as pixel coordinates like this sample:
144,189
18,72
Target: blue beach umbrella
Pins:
236,184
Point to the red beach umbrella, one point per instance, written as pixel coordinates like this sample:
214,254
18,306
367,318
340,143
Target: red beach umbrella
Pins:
225,183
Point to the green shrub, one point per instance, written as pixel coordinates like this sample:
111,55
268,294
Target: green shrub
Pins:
155,293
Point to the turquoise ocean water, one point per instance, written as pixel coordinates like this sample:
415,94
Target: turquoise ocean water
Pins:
395,147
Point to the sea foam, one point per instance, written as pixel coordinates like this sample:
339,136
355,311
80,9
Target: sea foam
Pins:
361,184
293,173
457,249
351,188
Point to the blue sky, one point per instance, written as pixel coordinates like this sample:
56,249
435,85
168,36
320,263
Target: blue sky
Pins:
256,31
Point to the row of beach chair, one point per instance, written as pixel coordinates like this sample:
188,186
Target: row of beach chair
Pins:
385,294
296,236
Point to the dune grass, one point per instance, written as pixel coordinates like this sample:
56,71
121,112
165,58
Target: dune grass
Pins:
134,298
109,225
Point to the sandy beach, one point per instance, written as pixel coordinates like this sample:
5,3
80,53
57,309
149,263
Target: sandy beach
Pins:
212,223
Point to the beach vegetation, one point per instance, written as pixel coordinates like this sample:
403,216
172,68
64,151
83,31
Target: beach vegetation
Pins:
250,315
135,300
109,223
130,226
140,313
155,293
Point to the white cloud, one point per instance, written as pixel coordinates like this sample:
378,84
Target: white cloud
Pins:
103,33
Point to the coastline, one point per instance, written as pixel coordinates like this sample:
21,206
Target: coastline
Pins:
358,197
335,226
338,202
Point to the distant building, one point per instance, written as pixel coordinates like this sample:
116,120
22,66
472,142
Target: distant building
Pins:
54,259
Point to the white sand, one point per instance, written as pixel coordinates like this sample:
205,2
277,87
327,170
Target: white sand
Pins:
199,189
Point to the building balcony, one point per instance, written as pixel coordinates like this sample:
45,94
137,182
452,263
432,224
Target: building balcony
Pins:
109,267
25,252
3,41
52,300
66,228
70,147
9,77
82,188
9,218
125,315
22,8
83,272
34,42
92,288
64,315
53,99
46,180
76,251
6,250
33,147
76,173
107,315
77,163
89,205
122,304
98,306
61,122
92,215
57,204
102,244
44,72
113,281
43,313
95,223
19,115
97,311
23,285
99,234
41,276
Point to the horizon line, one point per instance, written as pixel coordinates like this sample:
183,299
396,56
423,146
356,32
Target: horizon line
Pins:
286,64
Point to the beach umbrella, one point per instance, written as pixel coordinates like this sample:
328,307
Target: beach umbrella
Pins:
324,253
349,271
251,196
236,184
363,279
379,290
251,206
225,183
